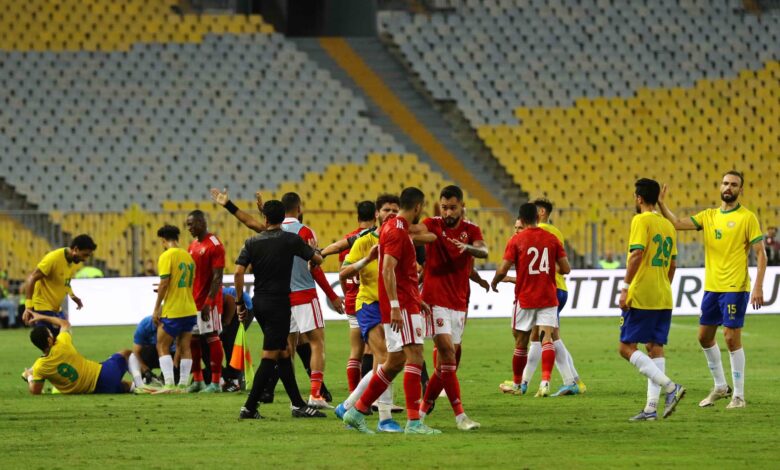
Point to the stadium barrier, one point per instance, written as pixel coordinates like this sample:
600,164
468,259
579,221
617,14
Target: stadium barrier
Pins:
592,293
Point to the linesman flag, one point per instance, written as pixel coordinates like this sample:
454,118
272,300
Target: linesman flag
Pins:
241,359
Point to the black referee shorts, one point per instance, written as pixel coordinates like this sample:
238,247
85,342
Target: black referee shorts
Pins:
273,314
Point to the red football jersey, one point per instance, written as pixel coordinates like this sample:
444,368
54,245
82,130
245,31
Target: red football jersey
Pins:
394,240
447,271
208,256
535,253
351,285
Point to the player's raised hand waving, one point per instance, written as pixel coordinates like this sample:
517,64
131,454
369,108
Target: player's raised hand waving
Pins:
662,194
259,200
220,197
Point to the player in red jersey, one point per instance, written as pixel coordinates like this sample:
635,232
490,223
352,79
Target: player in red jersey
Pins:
535,254
366,212
449,261
400,307
208,252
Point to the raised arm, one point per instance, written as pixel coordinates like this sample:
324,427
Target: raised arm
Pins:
221,198
757,297
64,325
685,223
335,247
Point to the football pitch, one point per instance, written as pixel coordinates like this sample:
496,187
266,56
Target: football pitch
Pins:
586,431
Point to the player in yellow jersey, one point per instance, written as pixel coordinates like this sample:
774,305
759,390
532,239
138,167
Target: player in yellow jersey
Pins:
67,370
49,283
646,298
729,233
175,313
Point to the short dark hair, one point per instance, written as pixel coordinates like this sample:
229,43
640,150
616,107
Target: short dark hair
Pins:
291,201
197,214
40,337
366,211
83,242
387,198
648,189
274,211
450,192
738,174
410,197
169,232
544,203
528,213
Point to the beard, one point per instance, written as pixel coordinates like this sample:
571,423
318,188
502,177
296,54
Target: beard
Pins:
728,197
451,221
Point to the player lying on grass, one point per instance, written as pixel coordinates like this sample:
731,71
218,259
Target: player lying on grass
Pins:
67,370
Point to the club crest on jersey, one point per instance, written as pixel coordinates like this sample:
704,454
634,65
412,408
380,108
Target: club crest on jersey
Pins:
418,331
463,236
439,322
731,224
202,251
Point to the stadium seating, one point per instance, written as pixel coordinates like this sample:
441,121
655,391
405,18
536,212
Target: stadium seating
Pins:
20,248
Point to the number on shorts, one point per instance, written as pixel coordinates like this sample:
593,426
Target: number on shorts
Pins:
544,261
68,371
188,272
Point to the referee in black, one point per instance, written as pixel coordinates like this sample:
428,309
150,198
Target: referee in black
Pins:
271,254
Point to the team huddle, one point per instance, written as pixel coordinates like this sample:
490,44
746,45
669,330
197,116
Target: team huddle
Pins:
405,278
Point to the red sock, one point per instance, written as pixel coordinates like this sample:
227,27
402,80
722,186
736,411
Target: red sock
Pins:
449,377
316,383
432,391
216,355
413,390
548,360
197,371
353,374
376,386
518,364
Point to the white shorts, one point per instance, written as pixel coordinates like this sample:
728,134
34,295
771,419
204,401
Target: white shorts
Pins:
447,321
306,317
353,322
213,325
411,332
428,324
525,319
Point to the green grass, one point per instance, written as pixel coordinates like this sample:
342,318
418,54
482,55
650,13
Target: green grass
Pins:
519,432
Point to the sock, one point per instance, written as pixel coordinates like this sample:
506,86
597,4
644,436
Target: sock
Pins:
432,391
266,368
534,356
273,379
379,382
166,366
366,364
716,366
648,368
386,404
424,377
359,389
653,390
413,390
316,383
353,374
197,370
738,372
575,375
450,378
184,372
519,361
216,355
287,376
134,365
304,352
562,362
548,361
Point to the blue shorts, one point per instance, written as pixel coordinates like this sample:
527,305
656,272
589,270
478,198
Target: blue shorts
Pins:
55,330
563,296
724,308
645,326
368,317
110,378
176,326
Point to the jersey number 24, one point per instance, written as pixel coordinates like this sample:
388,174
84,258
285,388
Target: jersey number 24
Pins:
543,265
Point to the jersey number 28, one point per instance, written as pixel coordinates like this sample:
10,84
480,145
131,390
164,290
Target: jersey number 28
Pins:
544,261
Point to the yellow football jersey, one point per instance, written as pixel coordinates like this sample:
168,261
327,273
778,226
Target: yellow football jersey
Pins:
727,239
560,281
650,289
51,290
178,265
65,368
369,275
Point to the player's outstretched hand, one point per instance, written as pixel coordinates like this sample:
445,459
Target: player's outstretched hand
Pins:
484,284
494,286
220,197
757,298
77,301
259,200
459,244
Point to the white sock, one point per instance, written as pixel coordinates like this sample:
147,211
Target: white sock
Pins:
534,356
575,375
385,404
185,366
562,362
738,372
166,366
653,390
716,366
134,365
361,387
648,368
